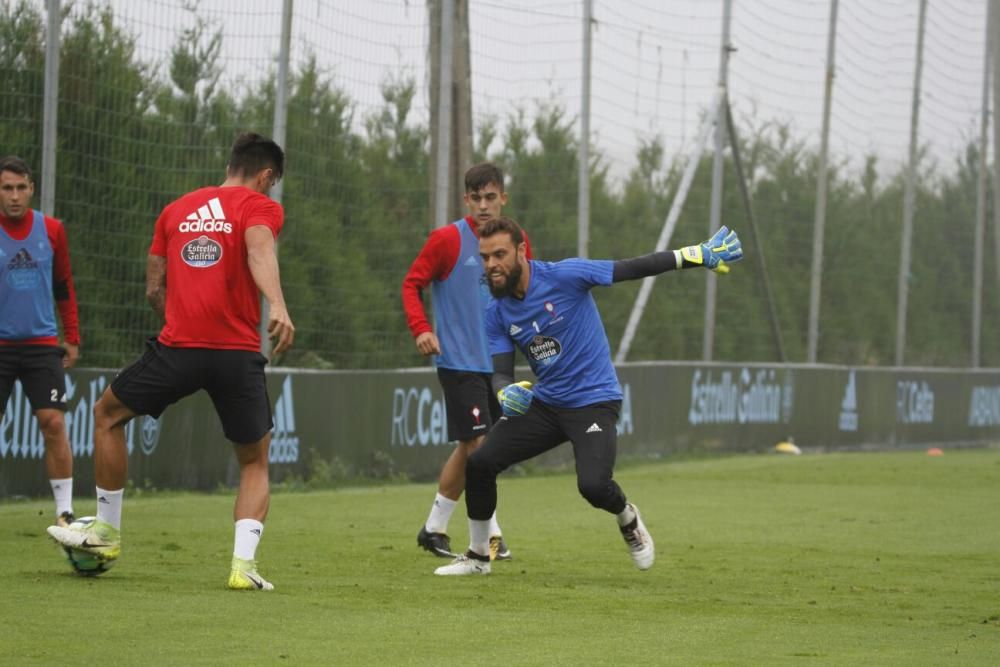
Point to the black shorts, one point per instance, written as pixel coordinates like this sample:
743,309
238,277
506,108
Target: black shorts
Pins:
591,429
40,370
469,400
234,379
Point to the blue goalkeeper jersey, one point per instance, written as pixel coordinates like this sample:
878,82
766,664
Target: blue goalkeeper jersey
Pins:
557,327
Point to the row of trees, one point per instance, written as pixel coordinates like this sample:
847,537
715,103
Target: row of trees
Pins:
132,136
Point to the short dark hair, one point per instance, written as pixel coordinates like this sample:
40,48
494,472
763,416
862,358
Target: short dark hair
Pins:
483,174
252,153
502,226
17,165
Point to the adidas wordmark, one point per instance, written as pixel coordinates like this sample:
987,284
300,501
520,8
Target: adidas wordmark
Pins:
208,218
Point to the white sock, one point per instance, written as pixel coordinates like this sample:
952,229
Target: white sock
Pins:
440,514
248,532
62,491
494,526
479,537
109,506
626,516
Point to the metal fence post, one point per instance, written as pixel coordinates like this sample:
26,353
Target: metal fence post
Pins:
981,186
50,106
819,226
909,196
583,150
279,135
993,21
444,107
715,216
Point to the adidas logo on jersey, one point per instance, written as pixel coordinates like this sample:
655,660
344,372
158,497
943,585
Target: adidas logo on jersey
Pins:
594,428
208,218
22,260
514,330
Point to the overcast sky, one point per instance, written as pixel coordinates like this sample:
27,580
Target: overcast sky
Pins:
655,62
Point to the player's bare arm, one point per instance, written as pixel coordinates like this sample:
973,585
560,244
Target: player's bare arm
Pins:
263,264
156,284
427,344
72,354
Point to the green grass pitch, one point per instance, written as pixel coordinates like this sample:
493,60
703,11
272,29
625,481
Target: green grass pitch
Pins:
863,559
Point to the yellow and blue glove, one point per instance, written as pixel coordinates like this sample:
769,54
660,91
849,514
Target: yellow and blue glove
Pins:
515,399
724,246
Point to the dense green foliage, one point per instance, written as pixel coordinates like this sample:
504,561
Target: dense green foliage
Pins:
849,559
133,135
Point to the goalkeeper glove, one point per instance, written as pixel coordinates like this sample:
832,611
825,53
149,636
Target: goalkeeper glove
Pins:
515,398
724,246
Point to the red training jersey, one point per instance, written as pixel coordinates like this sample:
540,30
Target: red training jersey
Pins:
212,299
63,291
435,262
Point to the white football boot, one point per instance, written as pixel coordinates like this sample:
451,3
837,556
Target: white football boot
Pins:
97,537
639,541
465,564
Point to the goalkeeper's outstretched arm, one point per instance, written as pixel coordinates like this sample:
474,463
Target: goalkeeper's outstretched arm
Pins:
724,247
652,264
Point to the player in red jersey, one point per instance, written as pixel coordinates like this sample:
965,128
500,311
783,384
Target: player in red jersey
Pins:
213,254
449,264
35,281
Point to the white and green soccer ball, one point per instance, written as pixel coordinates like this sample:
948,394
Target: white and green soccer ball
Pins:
83,563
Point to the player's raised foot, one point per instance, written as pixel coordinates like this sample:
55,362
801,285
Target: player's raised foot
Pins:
98,537
64,519
243,577
499,549
467,563
639,541
438,544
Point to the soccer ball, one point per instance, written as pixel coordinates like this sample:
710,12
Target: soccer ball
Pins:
83,563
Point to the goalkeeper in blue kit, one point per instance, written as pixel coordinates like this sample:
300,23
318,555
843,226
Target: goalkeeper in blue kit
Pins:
546,310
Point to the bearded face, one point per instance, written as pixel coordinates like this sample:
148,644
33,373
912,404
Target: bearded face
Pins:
503,280
503,264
